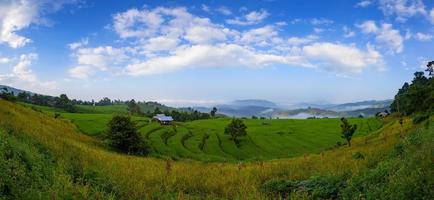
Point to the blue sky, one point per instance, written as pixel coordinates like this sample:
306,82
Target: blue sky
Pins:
207,52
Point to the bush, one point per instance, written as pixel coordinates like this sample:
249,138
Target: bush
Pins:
358,156
278,188
420,118
56,115
323,187
122,134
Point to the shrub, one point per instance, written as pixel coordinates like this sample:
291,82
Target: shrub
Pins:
358,156
278,187
420,118
323,187
122,135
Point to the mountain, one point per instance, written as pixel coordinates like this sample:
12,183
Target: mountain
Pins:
15,91
264,108
247,108
360,105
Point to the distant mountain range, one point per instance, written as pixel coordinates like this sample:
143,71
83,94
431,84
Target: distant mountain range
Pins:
15,91
264,108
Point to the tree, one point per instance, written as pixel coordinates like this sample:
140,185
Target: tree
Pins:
122,135
430,68
236,128
347,130
213,111
134,108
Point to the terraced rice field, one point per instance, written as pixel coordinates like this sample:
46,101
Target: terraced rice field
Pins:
205,139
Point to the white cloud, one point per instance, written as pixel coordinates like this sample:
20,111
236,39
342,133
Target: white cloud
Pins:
368,27
205,8
91,60
342,58
179,40
4,60
251,18
205,34
81,72
402,9
17,15
199,56
363,4
348,32
423,37
82,42
385,35
22,74
431,16
259,36
296,41
161,43
224,10
321,21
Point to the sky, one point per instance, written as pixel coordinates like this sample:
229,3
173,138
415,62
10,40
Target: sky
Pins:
184,53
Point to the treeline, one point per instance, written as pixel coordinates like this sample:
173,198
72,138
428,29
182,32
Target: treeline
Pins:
61,102
135,108
418,96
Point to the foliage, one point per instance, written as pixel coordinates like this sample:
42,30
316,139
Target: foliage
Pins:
278,188
134,108
213,112
378,176
236,128
347,130
122,135
420,118
417,97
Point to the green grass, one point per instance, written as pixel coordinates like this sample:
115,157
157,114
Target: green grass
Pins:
43,157
266,139
96,124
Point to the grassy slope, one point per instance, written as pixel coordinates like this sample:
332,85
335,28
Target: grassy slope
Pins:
137,177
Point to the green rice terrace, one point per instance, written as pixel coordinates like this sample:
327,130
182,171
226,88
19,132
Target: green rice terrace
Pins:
205,139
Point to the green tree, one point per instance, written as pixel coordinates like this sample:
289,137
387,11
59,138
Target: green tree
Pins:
236,128
347,130
122,135
213,111
134,108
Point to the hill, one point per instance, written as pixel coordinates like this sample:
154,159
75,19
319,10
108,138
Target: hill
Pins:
379,165
264,108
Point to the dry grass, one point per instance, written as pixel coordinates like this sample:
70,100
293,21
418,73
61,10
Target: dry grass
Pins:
142,177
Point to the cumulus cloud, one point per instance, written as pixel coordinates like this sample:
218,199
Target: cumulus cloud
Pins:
16,15
342,58
163,40
321,21
199,56
431,16
402,9
363,4
423,37
82,42
91,60
254,17
384,35
224,10
296,41
23,75
4,60
348,32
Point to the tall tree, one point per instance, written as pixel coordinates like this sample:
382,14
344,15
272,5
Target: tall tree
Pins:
123,135
213,111
347,130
